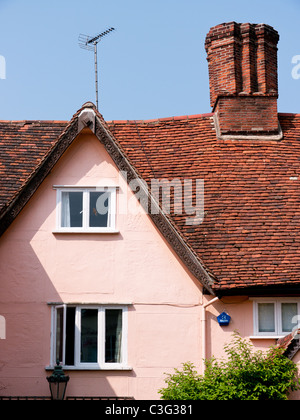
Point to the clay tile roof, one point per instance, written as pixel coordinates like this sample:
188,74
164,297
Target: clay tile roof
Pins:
249,238
23,145
290,344
250,234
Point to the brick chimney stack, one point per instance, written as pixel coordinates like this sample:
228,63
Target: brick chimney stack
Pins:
242,61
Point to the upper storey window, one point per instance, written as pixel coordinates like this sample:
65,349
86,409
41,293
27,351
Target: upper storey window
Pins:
86,209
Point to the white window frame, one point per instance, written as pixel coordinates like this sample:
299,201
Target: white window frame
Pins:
278,316
101,364
111,228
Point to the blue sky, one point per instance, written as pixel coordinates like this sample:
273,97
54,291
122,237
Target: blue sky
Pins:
153,66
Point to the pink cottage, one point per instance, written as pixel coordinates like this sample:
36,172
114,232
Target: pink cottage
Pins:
124,244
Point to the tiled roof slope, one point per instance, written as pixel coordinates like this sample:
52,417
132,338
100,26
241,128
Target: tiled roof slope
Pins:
290,343
23,145
250,234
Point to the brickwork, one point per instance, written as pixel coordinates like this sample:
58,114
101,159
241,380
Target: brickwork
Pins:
242,61
248,114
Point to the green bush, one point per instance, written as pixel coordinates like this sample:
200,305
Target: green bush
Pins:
244,375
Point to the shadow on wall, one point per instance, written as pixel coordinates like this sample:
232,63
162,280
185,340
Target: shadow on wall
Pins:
25,321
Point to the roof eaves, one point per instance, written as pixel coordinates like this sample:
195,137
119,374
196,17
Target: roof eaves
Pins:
283,289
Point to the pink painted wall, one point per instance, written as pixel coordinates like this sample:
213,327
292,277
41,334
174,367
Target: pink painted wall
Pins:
133,266
240,309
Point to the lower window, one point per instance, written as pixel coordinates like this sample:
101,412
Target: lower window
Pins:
89,336
275,317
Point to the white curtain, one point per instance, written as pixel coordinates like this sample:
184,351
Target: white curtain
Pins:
288,312
118,338
266,317
65,210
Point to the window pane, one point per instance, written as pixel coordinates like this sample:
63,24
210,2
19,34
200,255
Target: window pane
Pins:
113,335
70,336
266,317
99,209
89,336
72,209
288,311
59,334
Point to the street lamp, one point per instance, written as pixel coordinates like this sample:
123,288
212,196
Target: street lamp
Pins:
58,382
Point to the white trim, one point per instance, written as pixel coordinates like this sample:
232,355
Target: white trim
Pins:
125,368
111,217
124,351
88,304
85,187
76,230
53,333
265,337
77,346
278,316
100,365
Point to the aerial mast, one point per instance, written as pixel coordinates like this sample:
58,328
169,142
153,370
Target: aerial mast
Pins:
90,43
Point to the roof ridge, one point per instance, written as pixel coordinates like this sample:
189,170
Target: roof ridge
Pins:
165,119
34,121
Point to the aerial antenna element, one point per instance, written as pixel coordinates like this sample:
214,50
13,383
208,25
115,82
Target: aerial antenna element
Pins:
90,43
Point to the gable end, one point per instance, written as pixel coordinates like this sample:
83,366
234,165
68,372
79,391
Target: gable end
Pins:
160,220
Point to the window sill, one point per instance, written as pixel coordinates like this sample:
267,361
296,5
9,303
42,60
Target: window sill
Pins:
107,231
266,337
75,368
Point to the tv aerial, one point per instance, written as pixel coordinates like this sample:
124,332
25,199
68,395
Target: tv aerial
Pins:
90,43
